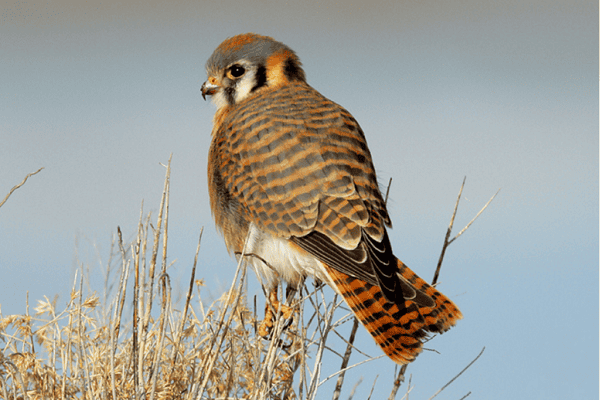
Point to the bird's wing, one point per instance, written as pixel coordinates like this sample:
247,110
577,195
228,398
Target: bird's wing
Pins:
300,166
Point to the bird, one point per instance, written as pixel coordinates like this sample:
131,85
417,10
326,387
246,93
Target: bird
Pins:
293,190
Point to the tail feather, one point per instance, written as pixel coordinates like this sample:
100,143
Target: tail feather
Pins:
397,329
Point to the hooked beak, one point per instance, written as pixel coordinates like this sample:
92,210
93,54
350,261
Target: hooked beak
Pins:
208,89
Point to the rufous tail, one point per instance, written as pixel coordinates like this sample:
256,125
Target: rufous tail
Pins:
397,330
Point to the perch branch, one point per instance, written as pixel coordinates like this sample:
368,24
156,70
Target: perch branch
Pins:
447,239
19,185
459,374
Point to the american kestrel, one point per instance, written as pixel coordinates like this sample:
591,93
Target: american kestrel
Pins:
290,175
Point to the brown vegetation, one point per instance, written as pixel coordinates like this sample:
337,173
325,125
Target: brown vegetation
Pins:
95,349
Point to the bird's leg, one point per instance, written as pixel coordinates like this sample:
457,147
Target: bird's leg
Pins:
290,292
272,308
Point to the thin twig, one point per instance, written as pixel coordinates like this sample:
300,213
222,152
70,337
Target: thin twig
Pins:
113,346
137,301
447,239
70,336
350,367
3,381
459,374
346,341
473,220
340,381
398,381
166,287
326,328
302,384
19,378
211,356
18,186
81,342
387,192
152,270
373,387
123,284
166,224
166,301
187,303
409,388
448,232
354,388
269,364
140,261
270,359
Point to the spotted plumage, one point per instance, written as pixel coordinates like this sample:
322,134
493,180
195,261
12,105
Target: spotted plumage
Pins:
290,172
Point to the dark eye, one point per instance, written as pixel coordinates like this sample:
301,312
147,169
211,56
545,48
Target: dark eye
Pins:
236,71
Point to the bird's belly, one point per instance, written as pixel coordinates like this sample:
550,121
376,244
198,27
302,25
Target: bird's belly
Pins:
278,259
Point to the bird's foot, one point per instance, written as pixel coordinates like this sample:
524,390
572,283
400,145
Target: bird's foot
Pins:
274,308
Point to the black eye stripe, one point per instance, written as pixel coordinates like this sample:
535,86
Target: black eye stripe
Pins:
260,78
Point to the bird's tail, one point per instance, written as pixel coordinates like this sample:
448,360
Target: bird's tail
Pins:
398,330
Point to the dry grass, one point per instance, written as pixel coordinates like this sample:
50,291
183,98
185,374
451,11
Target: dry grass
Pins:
134,343
210,352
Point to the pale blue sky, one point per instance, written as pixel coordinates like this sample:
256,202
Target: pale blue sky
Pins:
506,93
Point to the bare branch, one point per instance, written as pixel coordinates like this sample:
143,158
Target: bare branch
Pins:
19,185
340,381
473,220
387,192
350,367
398,381
354,388
447,239
209,361
448,232
373,387
187,302
459,374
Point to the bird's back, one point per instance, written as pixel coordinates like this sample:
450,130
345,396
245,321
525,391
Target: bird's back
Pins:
294,162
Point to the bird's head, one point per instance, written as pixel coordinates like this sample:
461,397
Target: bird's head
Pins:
246,64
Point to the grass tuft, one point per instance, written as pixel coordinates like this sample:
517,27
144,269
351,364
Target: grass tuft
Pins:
132,342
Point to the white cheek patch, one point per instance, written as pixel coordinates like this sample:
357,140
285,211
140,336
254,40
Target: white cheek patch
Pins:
219,99
244,85
240,89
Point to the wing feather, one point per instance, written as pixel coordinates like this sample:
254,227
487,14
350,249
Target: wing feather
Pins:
301,164
302,168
